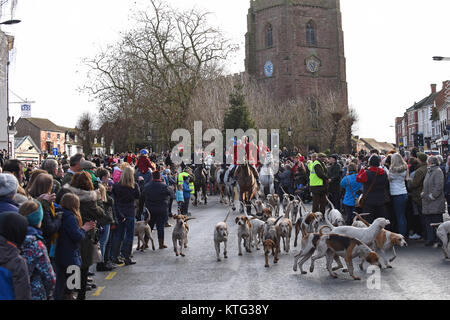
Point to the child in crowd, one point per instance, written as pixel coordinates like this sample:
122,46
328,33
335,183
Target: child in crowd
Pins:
42,276
180,198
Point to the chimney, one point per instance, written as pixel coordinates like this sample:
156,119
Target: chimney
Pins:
433,88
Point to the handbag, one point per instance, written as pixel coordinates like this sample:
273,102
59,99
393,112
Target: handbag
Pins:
363,197
96,253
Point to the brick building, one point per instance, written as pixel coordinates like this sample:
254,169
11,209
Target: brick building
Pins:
295,48
418,119
44,133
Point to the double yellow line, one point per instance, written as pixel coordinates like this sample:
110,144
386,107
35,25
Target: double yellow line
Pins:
108,277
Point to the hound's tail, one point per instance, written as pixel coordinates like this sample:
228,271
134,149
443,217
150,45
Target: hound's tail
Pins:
227,216
331,204
435,225
327,221
360,215
361,218
323,227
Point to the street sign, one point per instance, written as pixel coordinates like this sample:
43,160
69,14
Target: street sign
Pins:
55,151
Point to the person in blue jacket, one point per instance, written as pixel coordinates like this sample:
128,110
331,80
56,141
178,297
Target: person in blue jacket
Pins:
352,192
68,246
186,195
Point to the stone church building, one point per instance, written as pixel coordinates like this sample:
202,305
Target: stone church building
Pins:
295,48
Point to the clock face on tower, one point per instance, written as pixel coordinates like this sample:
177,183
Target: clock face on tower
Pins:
312,64
268,69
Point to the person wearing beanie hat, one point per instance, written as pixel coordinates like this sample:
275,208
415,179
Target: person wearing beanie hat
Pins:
374,161
8,190
42,276
375,188
13,229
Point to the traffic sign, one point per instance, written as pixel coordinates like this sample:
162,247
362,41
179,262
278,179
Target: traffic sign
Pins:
55,151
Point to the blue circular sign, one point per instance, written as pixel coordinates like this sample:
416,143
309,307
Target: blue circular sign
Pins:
268,69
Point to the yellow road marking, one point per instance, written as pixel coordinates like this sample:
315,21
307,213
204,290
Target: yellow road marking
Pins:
110,275
99,290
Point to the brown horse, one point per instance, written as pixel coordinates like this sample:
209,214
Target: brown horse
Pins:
247,185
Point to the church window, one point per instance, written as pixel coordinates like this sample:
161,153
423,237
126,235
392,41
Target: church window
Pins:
311,34
269,36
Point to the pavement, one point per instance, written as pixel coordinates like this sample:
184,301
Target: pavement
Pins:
418,272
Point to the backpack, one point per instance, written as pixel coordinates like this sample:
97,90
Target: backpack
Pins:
6,284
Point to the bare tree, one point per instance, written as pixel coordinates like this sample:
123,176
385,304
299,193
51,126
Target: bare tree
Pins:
85,130
154,71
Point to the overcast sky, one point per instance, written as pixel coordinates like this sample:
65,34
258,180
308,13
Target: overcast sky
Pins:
389,46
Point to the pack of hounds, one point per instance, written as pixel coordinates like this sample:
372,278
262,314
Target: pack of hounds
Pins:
371,243
321,235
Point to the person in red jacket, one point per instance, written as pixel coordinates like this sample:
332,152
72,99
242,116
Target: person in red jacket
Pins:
145,167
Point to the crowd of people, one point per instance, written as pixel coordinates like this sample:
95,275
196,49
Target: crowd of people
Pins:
410,190
82,212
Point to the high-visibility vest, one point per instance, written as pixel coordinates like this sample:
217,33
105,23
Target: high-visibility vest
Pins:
314,180
181,181
181,177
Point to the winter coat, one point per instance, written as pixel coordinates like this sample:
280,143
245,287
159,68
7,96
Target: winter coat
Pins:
397,183
67,178
433,199
8,205
350,182
108,209
56,184
334,173
186,190
90,211
447,189
376,196
157,195
144,165
124,200
68,247
40,270
50,223
286,178
11,260
322,174
417,183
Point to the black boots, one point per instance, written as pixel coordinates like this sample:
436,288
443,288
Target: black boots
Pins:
101,266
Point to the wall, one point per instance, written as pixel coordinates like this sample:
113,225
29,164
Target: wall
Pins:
4,55
290,50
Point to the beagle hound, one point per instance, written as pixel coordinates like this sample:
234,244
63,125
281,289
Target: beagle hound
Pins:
244,232
285,226
331,245
307,224
221,235
271,242
443,232
180,233
385,240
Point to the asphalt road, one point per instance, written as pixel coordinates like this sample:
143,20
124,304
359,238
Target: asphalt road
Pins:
418,272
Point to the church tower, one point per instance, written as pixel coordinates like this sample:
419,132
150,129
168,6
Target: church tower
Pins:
295,48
